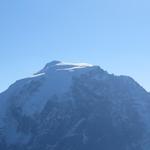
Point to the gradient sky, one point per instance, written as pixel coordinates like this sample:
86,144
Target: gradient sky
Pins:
114,34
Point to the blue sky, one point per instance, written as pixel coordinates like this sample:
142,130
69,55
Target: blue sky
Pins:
113,34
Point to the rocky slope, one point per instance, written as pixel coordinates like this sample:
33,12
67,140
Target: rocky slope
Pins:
74,107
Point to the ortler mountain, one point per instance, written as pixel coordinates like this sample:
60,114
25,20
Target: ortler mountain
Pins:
74,107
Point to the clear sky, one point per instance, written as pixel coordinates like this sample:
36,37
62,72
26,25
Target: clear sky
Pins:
114,34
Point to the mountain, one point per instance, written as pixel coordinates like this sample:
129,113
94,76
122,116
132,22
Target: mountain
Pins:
74,107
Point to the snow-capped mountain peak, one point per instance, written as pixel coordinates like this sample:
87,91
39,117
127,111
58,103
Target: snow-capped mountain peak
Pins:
66,105
56,78
62,66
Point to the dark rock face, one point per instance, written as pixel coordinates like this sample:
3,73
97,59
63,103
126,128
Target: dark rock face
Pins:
99,112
